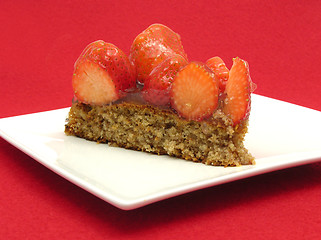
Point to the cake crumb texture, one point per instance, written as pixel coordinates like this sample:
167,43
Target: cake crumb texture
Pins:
149,129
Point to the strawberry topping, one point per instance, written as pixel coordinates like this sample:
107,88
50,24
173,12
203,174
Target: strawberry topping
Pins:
158,63
238,89
194,93
102,74
153,46
93,85
217,65
157,85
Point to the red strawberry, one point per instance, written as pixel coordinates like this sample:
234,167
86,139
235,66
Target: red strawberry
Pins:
153,46
157,85
102,74
194,93
238,89
217,65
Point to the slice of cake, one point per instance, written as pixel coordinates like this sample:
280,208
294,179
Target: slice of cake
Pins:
157,101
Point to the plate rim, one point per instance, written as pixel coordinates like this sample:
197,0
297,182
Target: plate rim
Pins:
303,158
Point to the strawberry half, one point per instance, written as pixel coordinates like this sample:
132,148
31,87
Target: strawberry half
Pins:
217,65
153,46
103,74
157,85
238,89
194,93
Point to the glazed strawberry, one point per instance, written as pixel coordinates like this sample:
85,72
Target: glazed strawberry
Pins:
153,46
194,93
103,74
238,89
217,65
157,85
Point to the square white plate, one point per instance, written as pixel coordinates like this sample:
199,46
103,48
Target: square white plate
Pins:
281,135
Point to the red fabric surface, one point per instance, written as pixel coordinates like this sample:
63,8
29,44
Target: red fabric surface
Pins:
40,40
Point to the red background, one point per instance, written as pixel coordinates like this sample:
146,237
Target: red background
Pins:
40,41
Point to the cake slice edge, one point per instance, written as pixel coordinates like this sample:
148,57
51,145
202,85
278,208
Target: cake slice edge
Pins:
160,131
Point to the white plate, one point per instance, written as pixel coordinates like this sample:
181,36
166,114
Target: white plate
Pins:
281,135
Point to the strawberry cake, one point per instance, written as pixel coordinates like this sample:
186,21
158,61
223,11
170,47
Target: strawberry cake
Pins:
156,100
